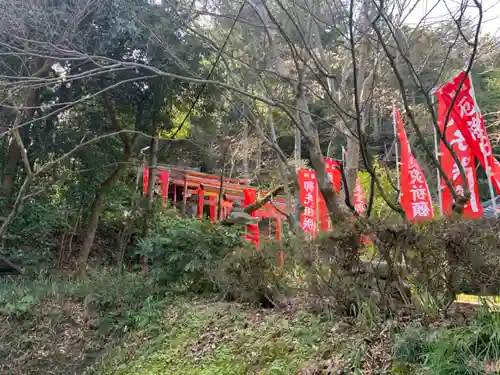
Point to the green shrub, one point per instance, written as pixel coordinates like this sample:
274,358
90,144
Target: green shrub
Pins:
30,237
445,257
77,320
330,264
411,345
247,275
19,307
40,218
450,354
467,350
181,250
117,303
111,291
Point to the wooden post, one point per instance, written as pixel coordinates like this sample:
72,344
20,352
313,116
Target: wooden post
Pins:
184,198
201,202
213,204
164,187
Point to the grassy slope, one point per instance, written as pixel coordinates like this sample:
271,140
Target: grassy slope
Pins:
47,327
134,328
218,338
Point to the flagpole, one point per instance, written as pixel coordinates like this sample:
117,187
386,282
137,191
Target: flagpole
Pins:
437,155
481,144
343,169
396,151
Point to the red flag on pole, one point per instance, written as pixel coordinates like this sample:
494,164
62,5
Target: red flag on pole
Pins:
145,176
333,172
468,119
359,201
415,196
456,140
308,196
164,186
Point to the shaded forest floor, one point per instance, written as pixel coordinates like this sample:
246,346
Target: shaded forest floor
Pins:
63,327
126,325
207,337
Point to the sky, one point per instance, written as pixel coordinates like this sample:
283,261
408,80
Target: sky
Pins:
440,10
491,12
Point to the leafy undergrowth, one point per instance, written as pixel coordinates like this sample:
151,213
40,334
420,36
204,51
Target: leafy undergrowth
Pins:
210,337
59,326
452,349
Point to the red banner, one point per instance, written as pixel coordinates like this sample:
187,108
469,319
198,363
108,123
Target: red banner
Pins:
333,172
249,197
308,194
456,140
470,122
359,201
145,176
164,186
415,196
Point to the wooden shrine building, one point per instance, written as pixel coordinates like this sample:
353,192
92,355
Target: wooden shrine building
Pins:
196,193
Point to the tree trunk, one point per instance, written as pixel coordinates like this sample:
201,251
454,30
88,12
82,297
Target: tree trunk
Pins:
96,210
18,204
292,218
88,239
13,157
325,186
14,153
353,145
148,213
221,189
109,183
310,134
21,195
298,164
246,173
352,164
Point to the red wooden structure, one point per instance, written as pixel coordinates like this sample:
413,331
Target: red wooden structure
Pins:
188,186
181,185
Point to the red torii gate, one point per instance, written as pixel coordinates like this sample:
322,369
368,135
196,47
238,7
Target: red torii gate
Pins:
203,185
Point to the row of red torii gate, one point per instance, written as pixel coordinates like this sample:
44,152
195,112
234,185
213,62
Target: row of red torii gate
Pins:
197,194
